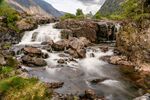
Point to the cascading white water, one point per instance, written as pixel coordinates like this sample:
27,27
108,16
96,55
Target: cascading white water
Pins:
42,34
74,73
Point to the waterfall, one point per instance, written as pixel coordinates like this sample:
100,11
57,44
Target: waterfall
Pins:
42,34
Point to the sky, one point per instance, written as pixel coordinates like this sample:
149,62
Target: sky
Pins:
71,5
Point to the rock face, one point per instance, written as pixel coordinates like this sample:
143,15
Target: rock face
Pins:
34,7
93,31
134,43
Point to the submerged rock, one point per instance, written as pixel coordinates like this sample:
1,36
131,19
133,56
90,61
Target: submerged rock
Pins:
61,61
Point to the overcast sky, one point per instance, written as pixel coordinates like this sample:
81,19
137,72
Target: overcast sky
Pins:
71,5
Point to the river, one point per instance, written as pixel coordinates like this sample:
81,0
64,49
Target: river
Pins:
77,75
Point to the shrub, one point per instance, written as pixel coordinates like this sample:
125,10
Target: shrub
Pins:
97,16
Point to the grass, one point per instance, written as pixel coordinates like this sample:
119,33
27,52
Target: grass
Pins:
13,87
17,88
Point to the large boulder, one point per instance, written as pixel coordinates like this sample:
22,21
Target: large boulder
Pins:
60,45
77,47
34,52
33,61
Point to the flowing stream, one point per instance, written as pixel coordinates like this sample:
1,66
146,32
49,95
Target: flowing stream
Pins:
78,74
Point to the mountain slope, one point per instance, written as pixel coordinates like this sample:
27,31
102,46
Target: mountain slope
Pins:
110,6
35,7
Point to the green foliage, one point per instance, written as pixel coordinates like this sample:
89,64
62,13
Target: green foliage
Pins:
9,13
79,12
97,16
68,16
5,70
15,88
79,15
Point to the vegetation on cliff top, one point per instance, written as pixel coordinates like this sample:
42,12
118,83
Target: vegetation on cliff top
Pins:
10,14
79,15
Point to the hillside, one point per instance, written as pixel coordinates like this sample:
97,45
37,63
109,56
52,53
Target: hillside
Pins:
35,7
110,6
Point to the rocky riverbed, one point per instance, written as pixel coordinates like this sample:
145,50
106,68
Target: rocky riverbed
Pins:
74,66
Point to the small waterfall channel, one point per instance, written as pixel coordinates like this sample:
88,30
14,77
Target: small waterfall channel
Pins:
77,75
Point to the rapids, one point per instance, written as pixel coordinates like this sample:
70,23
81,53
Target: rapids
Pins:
78,74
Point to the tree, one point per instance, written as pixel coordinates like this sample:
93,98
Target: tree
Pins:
79,12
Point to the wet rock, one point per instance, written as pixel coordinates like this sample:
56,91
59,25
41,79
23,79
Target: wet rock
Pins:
106,31
63,55
61,61
96,81
92,55
45,55
49,42
55,85
34,36
104,49
144,97
33,61
60,45
48,48
2,60
81,53
32,51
